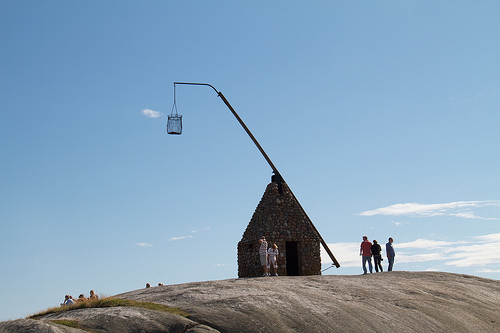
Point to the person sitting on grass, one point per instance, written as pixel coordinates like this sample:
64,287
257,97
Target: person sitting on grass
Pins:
93,296
68,300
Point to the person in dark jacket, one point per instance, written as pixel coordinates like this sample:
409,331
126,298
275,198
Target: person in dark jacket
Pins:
389,248
377,256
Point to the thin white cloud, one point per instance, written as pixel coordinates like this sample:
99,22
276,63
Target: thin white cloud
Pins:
487,270
488,238
468,215
484,251
143,244
427,244
461,209
347,254
179,238
420,257
151,113
189,236
431,269
204,229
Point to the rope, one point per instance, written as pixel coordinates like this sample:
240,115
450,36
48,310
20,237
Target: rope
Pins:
327,268
174,107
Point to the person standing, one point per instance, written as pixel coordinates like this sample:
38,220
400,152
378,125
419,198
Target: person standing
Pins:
263,255
389,249
366,251
272,259
377,256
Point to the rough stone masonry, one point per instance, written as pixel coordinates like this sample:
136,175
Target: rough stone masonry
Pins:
281,220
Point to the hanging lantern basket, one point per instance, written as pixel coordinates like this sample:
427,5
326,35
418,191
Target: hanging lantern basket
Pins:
174,121
174,124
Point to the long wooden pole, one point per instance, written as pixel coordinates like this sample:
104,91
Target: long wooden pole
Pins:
271,164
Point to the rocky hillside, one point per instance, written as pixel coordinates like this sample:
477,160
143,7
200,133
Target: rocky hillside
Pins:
383,302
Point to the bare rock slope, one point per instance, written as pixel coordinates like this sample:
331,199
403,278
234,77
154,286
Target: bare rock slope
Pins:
383,302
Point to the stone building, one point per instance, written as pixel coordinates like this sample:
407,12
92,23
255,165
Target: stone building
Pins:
280,218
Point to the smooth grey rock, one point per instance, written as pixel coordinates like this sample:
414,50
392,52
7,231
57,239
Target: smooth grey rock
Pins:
124,319
34,326
379,302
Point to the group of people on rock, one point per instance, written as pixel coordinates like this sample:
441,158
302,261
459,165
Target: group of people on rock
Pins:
268,257
69,300
368,250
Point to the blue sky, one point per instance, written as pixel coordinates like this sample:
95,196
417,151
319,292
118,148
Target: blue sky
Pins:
382,116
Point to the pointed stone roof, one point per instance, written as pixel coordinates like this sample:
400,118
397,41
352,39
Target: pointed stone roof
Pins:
279,216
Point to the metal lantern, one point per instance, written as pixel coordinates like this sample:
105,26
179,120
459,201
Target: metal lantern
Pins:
174,124
174,121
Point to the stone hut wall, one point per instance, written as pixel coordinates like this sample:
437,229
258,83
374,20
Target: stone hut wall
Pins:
280,219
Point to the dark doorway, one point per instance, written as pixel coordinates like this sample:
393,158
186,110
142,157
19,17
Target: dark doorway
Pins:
292,259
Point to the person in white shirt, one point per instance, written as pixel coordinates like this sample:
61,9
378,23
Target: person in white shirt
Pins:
263,255
272,255
68,300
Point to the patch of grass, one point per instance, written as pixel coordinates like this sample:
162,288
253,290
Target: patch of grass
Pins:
65,322
112,302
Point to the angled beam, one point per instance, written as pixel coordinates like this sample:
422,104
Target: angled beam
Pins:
275,170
